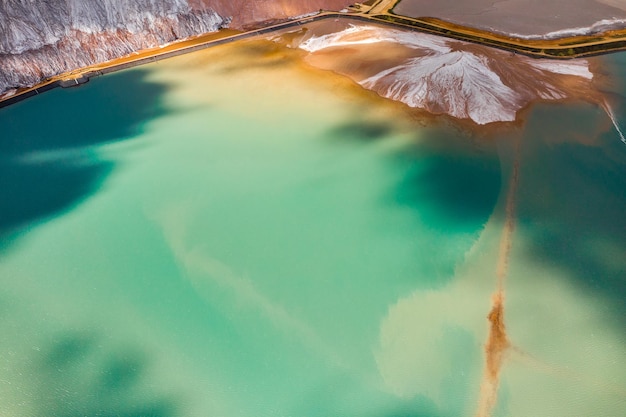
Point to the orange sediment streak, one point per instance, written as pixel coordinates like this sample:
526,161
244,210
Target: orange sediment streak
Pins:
497,341
509,225
495,348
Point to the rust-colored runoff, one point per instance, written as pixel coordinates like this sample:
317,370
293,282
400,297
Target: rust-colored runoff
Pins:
497,341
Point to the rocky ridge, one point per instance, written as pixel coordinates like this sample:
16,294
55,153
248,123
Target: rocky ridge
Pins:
41,39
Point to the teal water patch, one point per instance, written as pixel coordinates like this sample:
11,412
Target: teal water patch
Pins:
584,184
307,252
565,284
235,258
452,196
449,186
49,158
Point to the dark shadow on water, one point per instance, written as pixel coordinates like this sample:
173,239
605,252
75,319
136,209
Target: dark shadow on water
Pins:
107,109
49,158
449,177
573,204
458,189
68,350
449,180
361,130
121,372
34,191
451,184
571,198
50,161
77,376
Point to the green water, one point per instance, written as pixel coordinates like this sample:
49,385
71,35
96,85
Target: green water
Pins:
230,234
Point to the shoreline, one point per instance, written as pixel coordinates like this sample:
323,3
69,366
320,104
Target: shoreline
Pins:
560,49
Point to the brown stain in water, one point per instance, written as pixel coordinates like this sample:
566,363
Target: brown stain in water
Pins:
497,341
495,349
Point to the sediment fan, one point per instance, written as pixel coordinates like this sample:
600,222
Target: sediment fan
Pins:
450,77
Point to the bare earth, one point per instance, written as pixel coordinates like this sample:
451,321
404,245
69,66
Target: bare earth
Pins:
245,12
523,18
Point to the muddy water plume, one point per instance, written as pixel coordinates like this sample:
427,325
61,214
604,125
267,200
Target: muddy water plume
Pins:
495,349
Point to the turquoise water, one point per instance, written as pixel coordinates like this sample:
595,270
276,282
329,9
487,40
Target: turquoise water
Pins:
229,233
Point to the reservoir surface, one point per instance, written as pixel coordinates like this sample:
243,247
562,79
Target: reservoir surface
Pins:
233,233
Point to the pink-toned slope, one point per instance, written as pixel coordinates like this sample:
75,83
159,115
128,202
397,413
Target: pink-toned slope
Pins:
43,39
246,12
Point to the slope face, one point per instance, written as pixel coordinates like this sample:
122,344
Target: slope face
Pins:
45,38
32,25
245,12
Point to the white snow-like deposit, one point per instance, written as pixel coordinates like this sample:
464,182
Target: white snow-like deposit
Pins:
359,35
458,83
448,77
577,67
600,26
